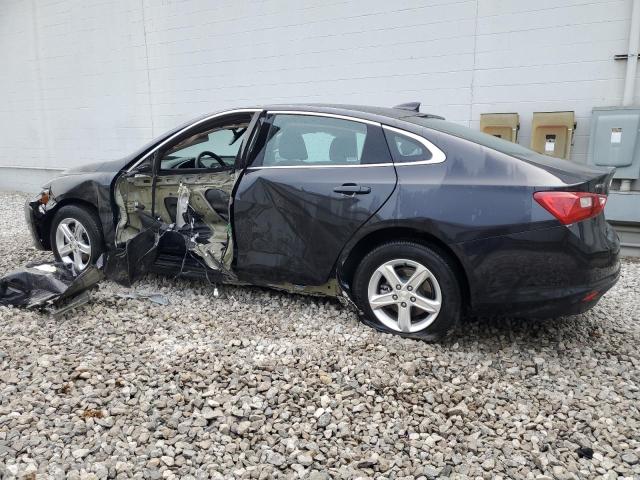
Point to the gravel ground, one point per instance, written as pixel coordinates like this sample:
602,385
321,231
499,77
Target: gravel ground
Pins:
260,384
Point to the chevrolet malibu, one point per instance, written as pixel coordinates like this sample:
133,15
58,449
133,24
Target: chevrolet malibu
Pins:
413,219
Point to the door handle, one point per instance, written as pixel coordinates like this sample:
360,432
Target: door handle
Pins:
352,189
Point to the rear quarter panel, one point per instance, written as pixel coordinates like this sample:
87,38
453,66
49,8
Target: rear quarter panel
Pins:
475,193
479,202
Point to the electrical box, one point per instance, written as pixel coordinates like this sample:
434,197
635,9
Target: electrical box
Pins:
614,140
501,125
552,133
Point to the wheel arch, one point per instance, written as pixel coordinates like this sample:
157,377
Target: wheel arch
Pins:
351,259
48,219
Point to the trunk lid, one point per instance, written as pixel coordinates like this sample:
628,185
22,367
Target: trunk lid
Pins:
575,177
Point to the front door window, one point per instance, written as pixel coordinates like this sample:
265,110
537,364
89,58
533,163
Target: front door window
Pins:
211,149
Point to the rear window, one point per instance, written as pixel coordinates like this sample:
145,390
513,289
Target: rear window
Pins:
474,136
405,149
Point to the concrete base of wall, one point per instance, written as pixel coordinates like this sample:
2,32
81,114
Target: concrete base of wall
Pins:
28,180
629,239
623,207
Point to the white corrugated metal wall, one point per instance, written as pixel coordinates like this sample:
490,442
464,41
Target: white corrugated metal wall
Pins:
89,80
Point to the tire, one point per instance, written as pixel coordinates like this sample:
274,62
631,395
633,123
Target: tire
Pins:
430,314
89,231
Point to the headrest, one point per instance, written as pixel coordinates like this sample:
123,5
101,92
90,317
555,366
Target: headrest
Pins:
344,148
291,146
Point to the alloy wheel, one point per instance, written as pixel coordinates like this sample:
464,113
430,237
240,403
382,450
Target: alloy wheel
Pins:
404,295
73,243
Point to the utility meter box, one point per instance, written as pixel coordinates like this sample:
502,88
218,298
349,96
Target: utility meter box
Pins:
501,125
614,140
552,133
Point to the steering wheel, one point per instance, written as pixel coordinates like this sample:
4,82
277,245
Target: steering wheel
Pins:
207,153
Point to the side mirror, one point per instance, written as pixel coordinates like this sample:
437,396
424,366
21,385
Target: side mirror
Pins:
143,170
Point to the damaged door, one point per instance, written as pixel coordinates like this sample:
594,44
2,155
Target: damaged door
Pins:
314,180
187,185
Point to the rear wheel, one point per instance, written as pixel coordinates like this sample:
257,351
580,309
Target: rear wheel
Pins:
408,289
76,237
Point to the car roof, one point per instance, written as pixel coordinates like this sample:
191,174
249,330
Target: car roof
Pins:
377,114
386,115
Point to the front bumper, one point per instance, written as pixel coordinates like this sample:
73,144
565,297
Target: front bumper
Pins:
33,225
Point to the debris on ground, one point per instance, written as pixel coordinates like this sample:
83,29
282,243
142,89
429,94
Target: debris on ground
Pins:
59,286
51,285
154,297
585,452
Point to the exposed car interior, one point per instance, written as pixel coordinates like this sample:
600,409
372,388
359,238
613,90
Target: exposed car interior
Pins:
212,149
195,176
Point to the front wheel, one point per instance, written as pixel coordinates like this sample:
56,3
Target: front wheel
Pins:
408,289
76,237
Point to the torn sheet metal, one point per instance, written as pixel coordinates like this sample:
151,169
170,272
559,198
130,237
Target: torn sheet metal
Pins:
127,263
206,239
214,248
70,304
46,284
182,206
124,265
196,206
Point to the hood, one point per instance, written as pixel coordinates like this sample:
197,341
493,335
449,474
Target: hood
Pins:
109,166
101,172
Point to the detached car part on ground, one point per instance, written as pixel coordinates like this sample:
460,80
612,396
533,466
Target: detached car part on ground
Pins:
414,219
56,287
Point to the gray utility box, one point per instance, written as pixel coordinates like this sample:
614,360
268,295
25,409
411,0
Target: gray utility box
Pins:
614,140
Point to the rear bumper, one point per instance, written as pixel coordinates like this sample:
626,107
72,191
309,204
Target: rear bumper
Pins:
542,273
556,302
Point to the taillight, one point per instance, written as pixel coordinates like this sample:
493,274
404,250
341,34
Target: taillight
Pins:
571,207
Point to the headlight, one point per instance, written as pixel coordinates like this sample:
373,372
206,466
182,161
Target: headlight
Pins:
44,197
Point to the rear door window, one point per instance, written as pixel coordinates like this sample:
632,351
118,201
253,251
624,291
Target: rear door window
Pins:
307,140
